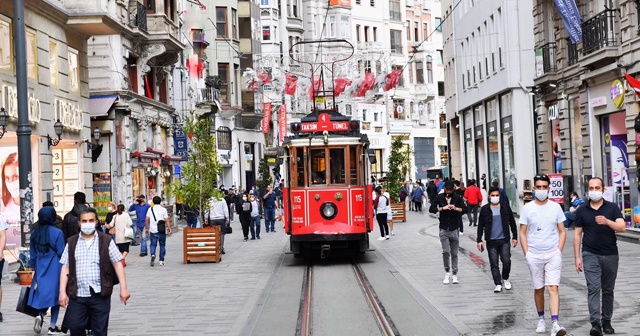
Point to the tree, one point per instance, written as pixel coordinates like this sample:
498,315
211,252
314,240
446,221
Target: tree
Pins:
398,162
201,169
265,176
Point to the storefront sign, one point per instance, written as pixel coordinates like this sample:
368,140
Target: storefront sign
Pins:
553,111
69,114
617,93
599,101
556,189
180,147
10,102
467,135
492,128
282,122
177,171
506,124
479,134
266,118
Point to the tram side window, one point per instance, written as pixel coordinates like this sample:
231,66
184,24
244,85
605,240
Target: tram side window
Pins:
336,158
318,166
353,165
300,167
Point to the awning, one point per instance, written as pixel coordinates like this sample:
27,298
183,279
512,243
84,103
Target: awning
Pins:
99,106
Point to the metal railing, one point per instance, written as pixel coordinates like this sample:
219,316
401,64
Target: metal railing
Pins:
208,95
598,32
139,18
572,53
549,57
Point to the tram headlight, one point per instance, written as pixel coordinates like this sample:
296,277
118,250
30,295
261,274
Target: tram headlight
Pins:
328,210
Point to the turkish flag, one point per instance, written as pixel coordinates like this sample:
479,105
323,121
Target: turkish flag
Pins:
290,84
253,85
340,85
264,77
367,84
633,83
393,78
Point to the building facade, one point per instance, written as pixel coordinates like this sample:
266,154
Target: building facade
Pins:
493,102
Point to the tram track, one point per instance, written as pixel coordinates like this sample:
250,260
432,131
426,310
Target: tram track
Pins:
309,303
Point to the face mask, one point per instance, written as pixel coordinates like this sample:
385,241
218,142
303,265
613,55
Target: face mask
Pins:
109,209
88,228
14,188
595,196
542,195
495,199
244,198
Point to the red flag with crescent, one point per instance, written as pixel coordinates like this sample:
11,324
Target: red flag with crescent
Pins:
340,85
290,84
633,83
393,78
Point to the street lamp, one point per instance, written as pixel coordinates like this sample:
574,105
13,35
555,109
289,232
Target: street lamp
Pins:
96,136
4,120
57,127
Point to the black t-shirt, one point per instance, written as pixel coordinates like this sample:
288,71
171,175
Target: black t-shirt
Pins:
598,239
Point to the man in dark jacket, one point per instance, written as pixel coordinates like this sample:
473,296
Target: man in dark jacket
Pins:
496,218
449,205
71,219
432,191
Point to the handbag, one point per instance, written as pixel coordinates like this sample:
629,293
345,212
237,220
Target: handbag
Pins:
112,230
128,233
22,306
162,225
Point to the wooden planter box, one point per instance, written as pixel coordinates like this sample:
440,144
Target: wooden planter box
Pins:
399,211
202,244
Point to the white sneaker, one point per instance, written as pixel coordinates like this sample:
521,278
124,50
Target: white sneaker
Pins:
507,284
461,233
542,327
382,238
498,289
557,330
387,236
454,279
447,277
393,234
37,325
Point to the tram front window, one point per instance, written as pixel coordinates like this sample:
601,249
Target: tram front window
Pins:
336,158
318,166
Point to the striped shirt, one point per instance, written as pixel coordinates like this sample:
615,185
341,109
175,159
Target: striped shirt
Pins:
88,263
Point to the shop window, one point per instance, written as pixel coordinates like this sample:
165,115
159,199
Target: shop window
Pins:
223,74
318,166
223,138
32,58
6,46
221,22
53,62
74,71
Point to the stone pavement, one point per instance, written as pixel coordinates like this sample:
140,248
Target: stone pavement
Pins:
218,299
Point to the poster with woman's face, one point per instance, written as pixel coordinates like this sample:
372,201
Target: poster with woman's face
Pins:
619,160
10,204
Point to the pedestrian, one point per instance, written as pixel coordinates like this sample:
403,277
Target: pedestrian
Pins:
503,195
576,203
483,178
459,190
416,196
269,206
230,198
47,245
58,223
432,191
70,221
141,208
3,242
158,225
409,193
448,205
255,217
496,218
596,225
120,223
473,196
542,238
218,214
192,217
89,271
389,211
380,206
244,213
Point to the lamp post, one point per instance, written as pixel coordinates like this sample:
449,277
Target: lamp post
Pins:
57,128
96,135
4,120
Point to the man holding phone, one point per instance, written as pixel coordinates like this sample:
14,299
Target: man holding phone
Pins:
448,205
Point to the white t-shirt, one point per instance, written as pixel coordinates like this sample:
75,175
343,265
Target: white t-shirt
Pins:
161,214
542,225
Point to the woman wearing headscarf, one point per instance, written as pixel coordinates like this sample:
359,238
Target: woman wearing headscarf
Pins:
47,245
120,222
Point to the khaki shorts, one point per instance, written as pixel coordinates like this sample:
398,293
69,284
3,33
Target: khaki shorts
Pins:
545,268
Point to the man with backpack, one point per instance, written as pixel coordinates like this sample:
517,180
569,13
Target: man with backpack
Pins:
158,225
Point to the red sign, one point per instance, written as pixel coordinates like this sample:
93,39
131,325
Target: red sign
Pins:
266,118
325,124
282,122
556,188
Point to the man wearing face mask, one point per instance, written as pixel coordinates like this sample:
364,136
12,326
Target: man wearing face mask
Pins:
90,268
596,225
496,218
449,205
244,212
141,207
542,237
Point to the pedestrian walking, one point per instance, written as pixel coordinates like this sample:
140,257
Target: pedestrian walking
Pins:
448,206
496,218
269,206
503,195
596,225
120,222
416,196
230,198
157,226
47,245
256,210
380,206
432,191
89,271
141,207
218,214
70,221
576,203
3,242
388,211
542,237
473,197
244,214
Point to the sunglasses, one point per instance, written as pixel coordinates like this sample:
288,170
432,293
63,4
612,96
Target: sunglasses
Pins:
542,177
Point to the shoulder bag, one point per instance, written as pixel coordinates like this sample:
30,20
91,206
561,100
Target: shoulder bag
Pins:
162,225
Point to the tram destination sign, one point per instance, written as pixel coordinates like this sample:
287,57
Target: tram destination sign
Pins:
335,126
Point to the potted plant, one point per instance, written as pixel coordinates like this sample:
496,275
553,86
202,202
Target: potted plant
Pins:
25,273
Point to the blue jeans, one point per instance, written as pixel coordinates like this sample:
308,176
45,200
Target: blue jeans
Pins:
270,219
143,241
155,237
254,226
570,218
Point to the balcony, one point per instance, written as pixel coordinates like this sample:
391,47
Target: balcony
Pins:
138,18
162,29
88,17
598,32
549,57
572,53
